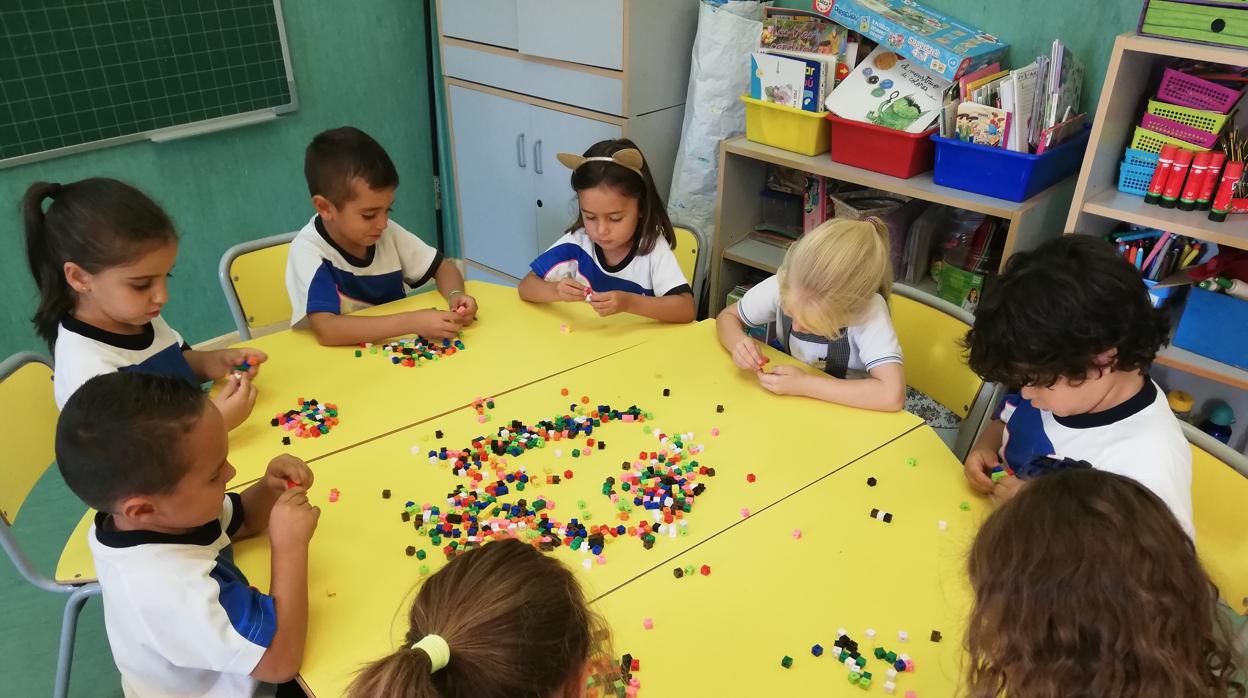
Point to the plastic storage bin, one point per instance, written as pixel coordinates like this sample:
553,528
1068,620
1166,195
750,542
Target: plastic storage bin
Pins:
1197,93
1003,173
1134,179
1151,141
784,127
1208,121
1215,325
1183,132
880,149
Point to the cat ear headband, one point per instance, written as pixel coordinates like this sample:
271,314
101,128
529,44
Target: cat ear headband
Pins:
629,158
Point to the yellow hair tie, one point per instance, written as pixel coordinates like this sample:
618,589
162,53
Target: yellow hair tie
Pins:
439,652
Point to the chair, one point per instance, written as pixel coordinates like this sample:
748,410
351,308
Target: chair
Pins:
689,255
930,331
26,381
1219,490
253,278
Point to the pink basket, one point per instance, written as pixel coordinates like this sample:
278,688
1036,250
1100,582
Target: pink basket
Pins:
1183,132
1190,91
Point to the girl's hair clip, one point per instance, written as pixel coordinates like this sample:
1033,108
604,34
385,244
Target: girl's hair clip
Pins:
628,158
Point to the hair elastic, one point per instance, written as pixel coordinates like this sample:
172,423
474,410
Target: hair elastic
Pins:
439,652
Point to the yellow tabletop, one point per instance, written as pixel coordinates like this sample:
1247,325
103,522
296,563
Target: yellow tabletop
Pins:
361,577
770,595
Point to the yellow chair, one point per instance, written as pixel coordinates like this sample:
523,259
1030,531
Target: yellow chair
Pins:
253,278
1219,491
26,381
689,256
930,331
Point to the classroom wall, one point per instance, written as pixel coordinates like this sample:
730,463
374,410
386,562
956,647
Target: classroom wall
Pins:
1087,27
362,64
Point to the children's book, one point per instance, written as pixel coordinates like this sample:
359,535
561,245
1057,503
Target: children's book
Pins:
777,79
889,90
983,125
974,76
1023,88
804,34
820,74
1056,135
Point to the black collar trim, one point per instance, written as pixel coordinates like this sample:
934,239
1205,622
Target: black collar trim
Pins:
1133,405
132,342
628,258
351,259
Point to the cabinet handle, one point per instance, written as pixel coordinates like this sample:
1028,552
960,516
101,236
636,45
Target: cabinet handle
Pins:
520,150
537,156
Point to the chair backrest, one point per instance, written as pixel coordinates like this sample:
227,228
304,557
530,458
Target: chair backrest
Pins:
930,331
253,278
1219,490
688,247
30,429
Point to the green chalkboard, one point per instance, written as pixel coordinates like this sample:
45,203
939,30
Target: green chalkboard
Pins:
77,74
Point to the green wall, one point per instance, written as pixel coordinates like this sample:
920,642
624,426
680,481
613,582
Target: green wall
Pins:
354,63
1088,27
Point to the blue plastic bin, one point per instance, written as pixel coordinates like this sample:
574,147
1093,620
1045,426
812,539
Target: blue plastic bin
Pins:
1003,173
1215,325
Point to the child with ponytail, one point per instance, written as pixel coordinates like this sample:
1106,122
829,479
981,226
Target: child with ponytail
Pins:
100,254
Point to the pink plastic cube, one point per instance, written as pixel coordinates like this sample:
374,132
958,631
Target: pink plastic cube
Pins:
648,624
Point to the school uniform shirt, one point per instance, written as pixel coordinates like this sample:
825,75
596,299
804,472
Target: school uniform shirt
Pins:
84,351
181,618
577,257
321,277
1140,439
861,347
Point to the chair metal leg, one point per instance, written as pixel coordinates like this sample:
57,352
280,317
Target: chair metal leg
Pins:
69,629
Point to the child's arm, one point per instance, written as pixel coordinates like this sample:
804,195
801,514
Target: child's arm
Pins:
675,308
732,336
212,365
291,524
538,290
884,390
332,329
258,499
983,457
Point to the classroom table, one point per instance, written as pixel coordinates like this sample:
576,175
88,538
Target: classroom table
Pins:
511,344
361,578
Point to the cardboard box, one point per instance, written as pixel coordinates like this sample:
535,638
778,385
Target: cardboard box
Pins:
946,46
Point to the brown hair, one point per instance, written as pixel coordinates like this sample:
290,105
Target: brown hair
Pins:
1086,586
339,155
515,620
652,219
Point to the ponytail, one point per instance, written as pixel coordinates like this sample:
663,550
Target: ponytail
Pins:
408,673
56,299
95,223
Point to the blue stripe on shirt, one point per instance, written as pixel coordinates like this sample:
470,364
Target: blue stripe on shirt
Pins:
598,279
166,362
251,613
1025,431
330,281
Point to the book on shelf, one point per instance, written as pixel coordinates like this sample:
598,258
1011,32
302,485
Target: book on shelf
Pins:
889,90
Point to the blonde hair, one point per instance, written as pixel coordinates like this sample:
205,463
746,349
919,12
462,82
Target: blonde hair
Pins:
829,275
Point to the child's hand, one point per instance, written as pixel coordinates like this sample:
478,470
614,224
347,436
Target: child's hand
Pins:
292,520
235,400
610,302
979,463
287,469
570,291
230,359
465,306
747,356
784,380
1007,489
436,324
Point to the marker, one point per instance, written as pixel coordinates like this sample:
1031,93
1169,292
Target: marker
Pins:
1174,180
1204,199
1158,182
1195,181
1222,202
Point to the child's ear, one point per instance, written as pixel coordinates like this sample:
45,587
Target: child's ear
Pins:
1106,359
324,207
139,508
78,278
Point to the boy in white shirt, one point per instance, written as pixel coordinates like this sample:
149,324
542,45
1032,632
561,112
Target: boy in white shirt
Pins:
351,256
1070,327
149,452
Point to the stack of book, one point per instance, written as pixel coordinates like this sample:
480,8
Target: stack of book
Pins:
800,58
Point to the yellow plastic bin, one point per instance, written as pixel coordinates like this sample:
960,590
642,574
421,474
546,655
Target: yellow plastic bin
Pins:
800,131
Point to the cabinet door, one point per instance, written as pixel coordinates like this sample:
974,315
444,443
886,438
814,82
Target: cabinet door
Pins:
486,21
580,31
555,132
493,176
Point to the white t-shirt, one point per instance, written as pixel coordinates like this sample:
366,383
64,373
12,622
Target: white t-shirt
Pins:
181,618
321,277
872,342
576,256
84,351
1140,439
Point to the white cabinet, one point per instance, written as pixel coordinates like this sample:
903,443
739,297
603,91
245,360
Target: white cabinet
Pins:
531,78
514,195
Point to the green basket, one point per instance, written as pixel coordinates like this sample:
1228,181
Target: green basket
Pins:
1151,142
1209,121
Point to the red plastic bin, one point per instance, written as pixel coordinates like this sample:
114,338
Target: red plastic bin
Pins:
880,149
